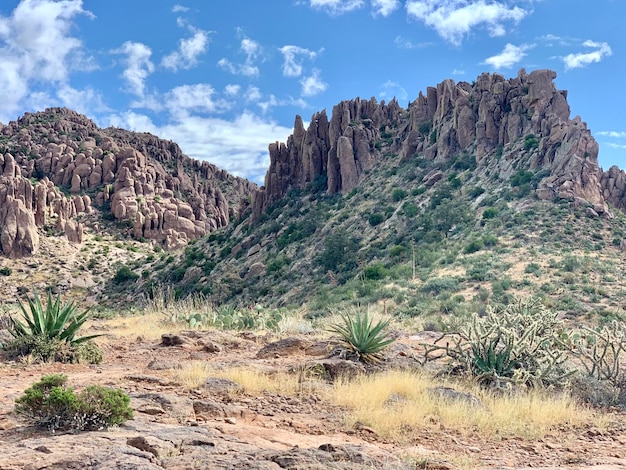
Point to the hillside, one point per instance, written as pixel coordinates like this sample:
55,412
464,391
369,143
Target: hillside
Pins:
474,193
75,199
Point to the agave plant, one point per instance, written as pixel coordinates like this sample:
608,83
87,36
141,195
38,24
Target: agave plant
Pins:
55,321
362,337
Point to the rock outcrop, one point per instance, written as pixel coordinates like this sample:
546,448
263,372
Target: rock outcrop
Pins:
57,164
507,124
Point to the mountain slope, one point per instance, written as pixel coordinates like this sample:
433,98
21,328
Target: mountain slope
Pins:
473,193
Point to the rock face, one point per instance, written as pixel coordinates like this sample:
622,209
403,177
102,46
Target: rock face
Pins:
507,124
57,164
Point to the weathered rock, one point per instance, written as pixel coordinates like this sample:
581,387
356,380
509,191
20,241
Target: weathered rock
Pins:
483,118
284,347
167,196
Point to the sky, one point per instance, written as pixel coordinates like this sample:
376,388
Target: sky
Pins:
224,79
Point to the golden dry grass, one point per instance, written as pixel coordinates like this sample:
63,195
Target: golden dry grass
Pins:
149,326
253,382
396,404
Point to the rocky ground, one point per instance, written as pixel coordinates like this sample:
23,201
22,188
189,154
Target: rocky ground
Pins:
217,426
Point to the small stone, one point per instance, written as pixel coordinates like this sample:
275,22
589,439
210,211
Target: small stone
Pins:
230,420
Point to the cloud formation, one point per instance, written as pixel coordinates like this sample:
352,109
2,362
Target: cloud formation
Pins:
391,89
337,7
385,7
292,59
36,45
252,50
509,56
188,51
138,66
238,145
455,19
582,59
613,134
313,84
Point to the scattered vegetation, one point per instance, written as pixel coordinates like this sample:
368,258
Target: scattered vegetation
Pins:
50,404
49,333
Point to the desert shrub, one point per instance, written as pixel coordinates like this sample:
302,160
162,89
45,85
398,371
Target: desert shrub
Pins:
474,246
521,177
425,127
523,343
376,219
570,264
476,191
50,404
339,252
530,142
375,271
438,285
398,194
5,271
49,333
125,274
397,251
490,213
361,337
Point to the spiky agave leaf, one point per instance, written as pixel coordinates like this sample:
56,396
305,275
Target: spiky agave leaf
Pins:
359,334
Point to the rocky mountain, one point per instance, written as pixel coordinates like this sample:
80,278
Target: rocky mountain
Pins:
57,168
525,121
460,190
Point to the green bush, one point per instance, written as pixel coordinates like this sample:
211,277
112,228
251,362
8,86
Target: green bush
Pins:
361,337
125,274
530,142
376,219
50,404
5,271
398,194
375,271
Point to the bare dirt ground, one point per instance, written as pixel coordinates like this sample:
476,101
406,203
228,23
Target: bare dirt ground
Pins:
215,426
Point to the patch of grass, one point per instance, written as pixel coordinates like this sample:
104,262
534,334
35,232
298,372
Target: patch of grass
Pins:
397,405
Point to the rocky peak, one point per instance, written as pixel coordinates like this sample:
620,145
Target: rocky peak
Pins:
507,124
58,164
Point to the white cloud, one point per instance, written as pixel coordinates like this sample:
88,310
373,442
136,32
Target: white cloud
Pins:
82,101
313,84
458,72
179,9
253,94
454,19
36,46
393,89
199,98
404,43
138,66
614,145
509,56
292,63
337,7
602,50
189,50
612,134
385,7
232,90
253,52
238,145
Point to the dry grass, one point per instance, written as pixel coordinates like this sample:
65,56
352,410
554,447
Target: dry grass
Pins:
149,326
252,382
396,404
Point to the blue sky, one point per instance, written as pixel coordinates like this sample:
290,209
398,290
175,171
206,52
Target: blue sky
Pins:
225,78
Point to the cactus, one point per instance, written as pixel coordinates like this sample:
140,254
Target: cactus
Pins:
522,343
